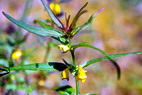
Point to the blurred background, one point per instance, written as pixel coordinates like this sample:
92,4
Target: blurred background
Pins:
117,29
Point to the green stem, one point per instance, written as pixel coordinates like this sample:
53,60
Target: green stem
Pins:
73,57
77,87
76,81
47,52
28,6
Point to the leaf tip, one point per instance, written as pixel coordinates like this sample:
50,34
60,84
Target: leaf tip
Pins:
3,13
100,10
86,3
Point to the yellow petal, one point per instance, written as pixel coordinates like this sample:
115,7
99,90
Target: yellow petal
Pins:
83,80
65,74
17,54
81,75
55,8
64,48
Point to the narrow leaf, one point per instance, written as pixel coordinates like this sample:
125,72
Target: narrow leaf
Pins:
80,12
65,90
48,31
50,66
61,40
42,23
87,24
52,16
84,44
64,1
92,61
4,71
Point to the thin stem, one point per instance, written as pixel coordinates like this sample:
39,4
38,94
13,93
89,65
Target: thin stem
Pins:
77,87
76,81
73,57
28,6
48,47
46,54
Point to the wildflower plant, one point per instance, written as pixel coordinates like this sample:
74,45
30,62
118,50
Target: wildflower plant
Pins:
12,54
64,33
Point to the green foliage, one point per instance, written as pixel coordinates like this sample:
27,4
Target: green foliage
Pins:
84,44
63,34
42,23
4,71
90,94
50,66
65,90
92,61
87,24
52,16
48,31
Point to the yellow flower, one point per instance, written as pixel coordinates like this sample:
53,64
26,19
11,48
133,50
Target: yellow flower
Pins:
64,48
65,74
81,75
55,8
16,54
41,83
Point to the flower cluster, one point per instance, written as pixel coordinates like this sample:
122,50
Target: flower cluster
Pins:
80,74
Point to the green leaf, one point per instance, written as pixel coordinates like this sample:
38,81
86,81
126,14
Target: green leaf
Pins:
50,66
87,24
64,1
92,61
48,31
84,44
42,23
90,94
61,39
80,12
11,41
65,90
52,16
4,71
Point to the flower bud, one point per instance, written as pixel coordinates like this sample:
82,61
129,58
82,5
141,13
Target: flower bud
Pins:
64,48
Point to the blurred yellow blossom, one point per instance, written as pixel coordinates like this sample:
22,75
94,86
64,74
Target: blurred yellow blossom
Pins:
17,54
81,75
55,8
41,82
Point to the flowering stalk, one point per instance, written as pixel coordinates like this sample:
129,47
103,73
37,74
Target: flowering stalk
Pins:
76,80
